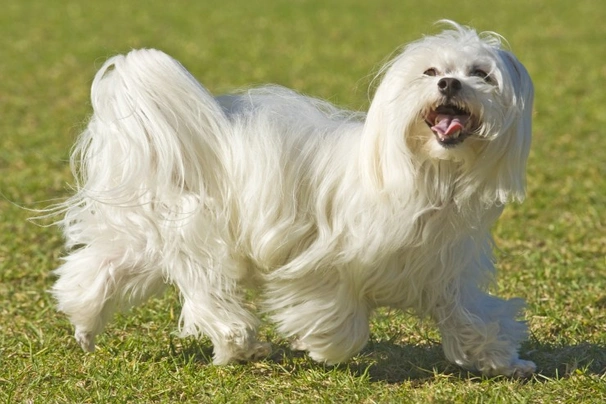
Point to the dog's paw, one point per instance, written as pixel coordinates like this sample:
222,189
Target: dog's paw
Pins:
86,340
259,350
232,353
519,369
522,369
298,345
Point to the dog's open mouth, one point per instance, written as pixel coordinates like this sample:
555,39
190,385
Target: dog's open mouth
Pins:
450,124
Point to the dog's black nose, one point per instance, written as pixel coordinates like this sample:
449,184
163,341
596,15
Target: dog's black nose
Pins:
449,86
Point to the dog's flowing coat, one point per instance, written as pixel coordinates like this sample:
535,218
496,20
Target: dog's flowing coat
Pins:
329,213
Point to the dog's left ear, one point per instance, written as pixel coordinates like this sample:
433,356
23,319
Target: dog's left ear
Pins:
511,175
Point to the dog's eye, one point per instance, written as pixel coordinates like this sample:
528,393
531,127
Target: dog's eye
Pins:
481,74
431,72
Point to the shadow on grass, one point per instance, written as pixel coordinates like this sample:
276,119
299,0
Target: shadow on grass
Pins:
561,361
388,362
395,363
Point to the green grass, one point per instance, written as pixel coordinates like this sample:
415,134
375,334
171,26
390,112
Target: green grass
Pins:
552,247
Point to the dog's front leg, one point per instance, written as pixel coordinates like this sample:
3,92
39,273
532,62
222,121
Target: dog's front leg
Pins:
323,316
480,332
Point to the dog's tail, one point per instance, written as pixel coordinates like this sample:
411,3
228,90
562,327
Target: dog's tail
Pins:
156,143
155,131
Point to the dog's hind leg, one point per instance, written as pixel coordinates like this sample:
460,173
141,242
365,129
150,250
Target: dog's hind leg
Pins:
214,305
91,287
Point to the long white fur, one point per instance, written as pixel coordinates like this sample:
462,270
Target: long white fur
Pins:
327,212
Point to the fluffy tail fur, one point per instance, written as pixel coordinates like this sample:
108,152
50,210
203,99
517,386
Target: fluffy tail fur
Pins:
153,138
135,125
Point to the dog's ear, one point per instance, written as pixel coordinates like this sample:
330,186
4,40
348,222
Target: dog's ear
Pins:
517,84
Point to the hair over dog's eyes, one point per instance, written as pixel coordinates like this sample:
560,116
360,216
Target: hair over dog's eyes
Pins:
481,74
430,72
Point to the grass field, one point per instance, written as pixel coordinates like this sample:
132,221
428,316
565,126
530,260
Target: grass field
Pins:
552,247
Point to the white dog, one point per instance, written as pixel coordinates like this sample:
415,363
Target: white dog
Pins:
328,213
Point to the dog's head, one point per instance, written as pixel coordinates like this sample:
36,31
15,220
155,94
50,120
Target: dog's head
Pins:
458,96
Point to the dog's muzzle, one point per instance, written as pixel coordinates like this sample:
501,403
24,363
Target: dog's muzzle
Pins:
450,123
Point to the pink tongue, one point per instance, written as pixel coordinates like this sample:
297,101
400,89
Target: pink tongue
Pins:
449,124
